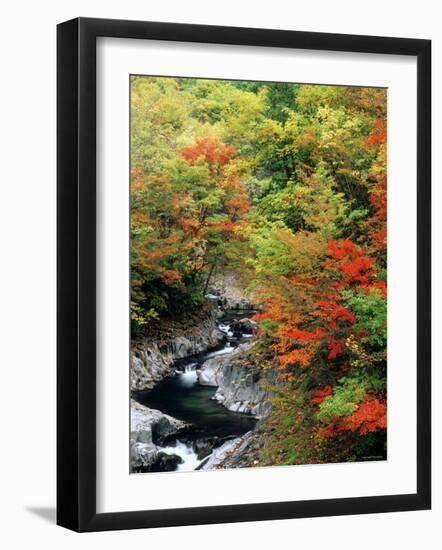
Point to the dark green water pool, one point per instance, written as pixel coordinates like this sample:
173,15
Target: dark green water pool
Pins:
182,397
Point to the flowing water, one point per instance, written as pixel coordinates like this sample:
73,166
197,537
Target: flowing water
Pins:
182,397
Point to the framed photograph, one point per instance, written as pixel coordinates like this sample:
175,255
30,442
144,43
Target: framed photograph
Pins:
243,274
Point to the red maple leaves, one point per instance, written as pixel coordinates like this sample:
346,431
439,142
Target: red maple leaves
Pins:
378,135
368,417
320,395
350,262
371,415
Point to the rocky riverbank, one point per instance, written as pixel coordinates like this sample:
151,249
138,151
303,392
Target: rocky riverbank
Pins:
152,358
160,442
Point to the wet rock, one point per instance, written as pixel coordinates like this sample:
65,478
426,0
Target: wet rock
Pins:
165,463
203,448
243,326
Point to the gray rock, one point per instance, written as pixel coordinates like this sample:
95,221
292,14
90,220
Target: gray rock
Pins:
239,385
142,456
240,452
151,361
210,373
240,390
230,291
149,426
244,325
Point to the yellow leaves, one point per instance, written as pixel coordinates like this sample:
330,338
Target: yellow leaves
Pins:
140,316
305,250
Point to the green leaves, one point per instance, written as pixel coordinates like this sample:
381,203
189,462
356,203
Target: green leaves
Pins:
343,401
370,310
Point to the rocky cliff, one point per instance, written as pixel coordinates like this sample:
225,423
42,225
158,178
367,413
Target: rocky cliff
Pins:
152,358
241,386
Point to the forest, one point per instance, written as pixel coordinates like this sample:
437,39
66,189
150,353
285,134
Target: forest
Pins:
285,187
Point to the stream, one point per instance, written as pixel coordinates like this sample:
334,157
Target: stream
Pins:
182,397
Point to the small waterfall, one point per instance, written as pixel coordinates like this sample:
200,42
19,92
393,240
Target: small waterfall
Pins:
188,377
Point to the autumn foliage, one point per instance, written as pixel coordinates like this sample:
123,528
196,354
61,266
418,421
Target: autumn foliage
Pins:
286,187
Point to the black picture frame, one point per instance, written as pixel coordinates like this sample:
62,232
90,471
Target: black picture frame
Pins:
77,286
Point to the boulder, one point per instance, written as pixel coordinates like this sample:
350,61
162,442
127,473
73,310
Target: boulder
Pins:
150,425
165,463
243,326
142,456
148,428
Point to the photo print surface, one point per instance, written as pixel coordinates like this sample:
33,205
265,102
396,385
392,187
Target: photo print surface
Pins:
258,274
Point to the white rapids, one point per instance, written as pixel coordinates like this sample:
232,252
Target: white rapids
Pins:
187,453
226,349
225,328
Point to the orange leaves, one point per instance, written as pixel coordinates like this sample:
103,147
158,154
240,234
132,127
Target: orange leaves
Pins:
337,318
380,238
274,310
328,431
262,316
170,276
226,225
211,151
230,200
190,226
238,205
306,336
301,357
320,395
368,417
371,415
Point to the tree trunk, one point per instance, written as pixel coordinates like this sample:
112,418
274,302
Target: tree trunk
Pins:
206,286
